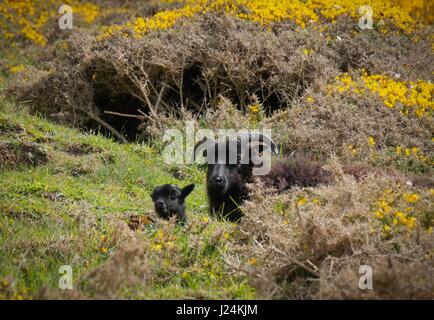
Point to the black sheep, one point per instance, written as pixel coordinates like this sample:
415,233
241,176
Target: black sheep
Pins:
169,201
227,180
230,168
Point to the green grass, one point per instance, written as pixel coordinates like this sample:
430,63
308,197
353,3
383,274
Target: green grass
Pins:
39,229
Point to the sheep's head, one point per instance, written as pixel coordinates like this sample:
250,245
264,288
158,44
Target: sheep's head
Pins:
230,161
169,200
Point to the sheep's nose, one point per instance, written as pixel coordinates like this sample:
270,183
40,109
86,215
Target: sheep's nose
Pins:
218,180
159,203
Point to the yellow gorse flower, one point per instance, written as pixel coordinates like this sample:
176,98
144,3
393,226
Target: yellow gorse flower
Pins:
413,152
156,247
402,211
265,12
254,109
159,235
17,69
352,149
30,19
411,198
301,201
409,97
307,52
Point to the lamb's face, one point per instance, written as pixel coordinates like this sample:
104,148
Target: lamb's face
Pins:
169,199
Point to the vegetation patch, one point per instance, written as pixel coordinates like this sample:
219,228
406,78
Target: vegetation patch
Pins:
82,149
17,153
307,243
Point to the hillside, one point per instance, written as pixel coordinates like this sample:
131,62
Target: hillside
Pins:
83,114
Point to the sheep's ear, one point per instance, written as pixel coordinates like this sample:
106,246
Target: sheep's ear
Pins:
187,190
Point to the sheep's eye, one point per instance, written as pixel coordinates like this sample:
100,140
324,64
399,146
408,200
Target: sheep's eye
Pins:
173,196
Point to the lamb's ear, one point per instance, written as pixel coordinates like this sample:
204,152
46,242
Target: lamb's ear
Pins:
157,189
187,190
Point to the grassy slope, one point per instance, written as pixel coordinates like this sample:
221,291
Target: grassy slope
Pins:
38,234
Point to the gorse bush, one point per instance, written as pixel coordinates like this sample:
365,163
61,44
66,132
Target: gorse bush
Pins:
304,243
220,56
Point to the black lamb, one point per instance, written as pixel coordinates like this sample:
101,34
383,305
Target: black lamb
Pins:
169,201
